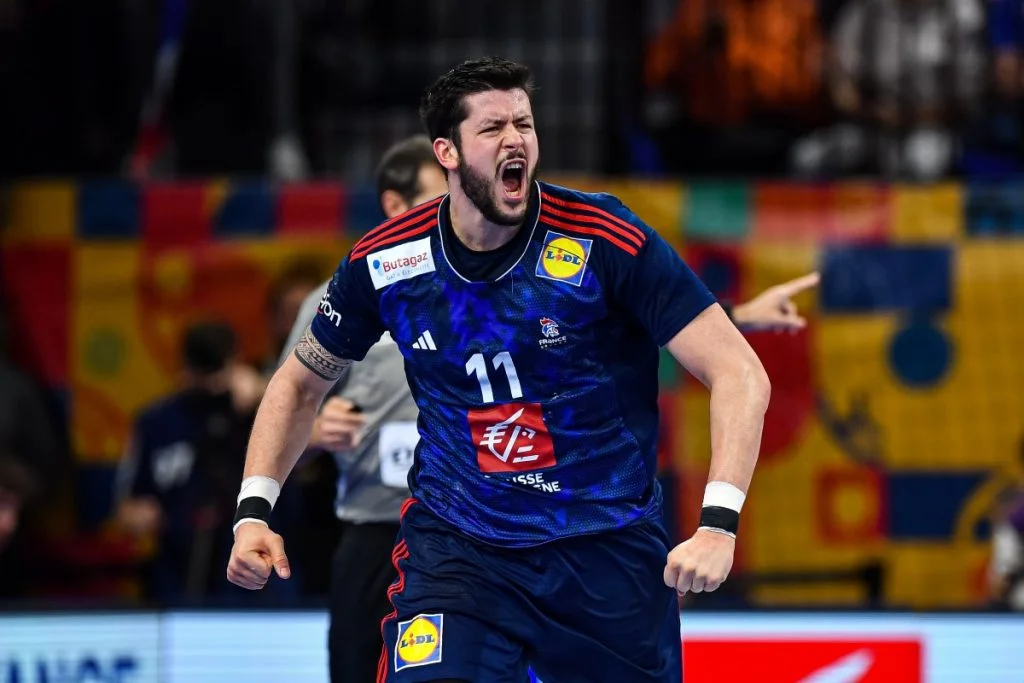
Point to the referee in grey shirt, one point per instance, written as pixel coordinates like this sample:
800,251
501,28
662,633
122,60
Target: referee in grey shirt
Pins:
369,423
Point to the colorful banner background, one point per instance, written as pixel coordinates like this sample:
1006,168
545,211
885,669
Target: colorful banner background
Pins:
896,416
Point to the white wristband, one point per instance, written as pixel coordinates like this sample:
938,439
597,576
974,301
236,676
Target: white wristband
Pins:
724,495
262,487
247,520
717,531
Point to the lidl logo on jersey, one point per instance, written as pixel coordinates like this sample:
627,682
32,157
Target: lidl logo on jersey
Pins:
388,266
563,259
419,641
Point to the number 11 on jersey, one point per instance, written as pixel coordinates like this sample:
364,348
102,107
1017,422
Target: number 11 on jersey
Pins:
477,364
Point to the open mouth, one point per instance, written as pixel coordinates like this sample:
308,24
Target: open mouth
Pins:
513,178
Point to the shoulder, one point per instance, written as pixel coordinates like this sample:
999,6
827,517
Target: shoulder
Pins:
412,225
596,217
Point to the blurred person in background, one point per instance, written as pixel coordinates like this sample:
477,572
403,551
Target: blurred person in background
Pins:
369,423
904,75
176,483
17,487
28,429
1006,570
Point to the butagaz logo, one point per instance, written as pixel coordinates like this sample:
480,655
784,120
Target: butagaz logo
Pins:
400,263
552,335
563,259
325,309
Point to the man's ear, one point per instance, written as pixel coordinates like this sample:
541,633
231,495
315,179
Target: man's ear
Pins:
447,153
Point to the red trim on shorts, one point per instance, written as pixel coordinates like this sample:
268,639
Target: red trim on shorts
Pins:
401,552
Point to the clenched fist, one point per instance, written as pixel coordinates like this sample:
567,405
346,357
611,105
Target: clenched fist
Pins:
701,563
256,552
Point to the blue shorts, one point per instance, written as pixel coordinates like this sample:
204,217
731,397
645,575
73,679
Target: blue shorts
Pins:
588,608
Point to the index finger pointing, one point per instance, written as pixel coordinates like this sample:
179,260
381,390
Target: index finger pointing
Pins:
799,284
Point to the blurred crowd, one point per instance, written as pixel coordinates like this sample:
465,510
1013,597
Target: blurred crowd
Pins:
168,533
910,89
916,89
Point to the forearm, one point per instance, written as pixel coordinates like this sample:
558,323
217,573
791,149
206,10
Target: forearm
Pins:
282,429
738,404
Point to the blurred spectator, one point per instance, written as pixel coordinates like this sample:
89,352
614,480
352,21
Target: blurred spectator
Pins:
904,75
28,431
995,144
179,479
741,80
1006,571
16,487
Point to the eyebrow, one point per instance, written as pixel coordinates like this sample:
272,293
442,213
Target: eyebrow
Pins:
491,120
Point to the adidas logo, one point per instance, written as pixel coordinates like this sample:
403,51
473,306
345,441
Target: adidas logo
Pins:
425,342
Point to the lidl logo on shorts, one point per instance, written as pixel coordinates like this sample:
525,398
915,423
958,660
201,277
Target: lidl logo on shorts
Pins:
419,641
563,259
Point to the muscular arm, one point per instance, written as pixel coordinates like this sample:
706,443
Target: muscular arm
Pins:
714,351
285,417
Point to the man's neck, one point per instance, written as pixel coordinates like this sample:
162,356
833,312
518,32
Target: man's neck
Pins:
475,231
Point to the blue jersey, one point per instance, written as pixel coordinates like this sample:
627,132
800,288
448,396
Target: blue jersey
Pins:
537,389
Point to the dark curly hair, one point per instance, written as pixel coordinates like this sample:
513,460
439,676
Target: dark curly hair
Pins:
443,106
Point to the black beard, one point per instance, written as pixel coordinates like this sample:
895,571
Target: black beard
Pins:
479,189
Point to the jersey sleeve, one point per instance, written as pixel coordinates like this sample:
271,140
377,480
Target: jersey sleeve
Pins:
656,285
347,321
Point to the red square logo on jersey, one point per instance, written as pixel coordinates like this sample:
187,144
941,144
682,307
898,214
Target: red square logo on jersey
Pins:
511,438
739,660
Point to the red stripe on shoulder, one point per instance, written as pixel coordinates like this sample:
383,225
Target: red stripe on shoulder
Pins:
621,226
402,232
597,232
585,220
408,218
